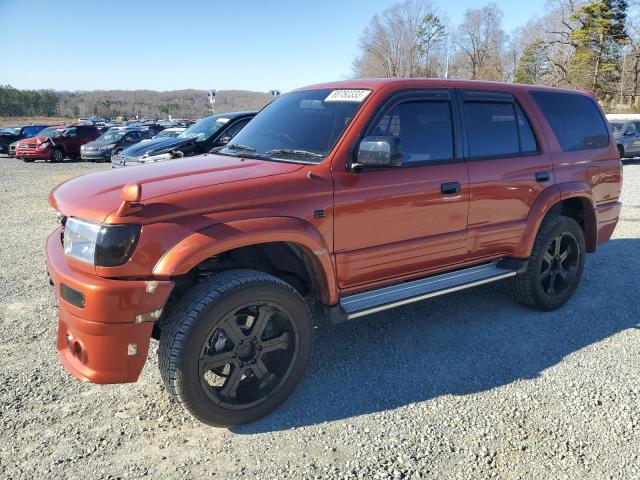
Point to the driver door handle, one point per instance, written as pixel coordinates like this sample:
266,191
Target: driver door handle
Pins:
450,188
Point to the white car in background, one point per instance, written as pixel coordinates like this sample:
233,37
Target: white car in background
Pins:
626,131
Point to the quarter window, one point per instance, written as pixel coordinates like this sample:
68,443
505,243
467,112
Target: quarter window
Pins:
423,127
574,119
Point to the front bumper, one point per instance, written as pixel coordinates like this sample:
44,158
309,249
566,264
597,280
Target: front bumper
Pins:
34,153
98,339
96,156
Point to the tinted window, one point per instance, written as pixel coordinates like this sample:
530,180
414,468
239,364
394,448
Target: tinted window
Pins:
575,120
235,128
423,127
29,131
528,142
492,129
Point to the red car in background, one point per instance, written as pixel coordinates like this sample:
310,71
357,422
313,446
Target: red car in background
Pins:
56,142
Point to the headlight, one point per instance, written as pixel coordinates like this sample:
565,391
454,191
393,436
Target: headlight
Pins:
44,144
98,244
108,147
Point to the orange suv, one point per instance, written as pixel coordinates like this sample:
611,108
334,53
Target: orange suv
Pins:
356,196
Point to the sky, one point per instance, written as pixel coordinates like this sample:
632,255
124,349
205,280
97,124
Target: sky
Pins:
169,45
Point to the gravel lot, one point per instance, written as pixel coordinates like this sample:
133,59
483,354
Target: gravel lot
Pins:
466,386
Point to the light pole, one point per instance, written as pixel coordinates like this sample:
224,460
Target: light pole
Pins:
212,100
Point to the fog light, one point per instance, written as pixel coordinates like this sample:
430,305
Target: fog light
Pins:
132,349
75,348
149,316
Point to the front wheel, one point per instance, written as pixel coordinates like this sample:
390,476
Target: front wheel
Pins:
57,155
235,347
555,266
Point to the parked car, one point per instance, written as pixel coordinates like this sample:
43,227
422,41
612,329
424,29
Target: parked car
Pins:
112,143
12,149
626,131
201,137
9,135
170,132
358,196
56,142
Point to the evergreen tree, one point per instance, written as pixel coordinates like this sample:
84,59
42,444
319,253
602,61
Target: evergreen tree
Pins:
598,41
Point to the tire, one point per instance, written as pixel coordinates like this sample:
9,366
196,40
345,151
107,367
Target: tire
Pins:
26,160
117,151
621,151
210,342
57,156
550,281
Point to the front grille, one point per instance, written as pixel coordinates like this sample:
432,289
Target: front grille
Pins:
27,146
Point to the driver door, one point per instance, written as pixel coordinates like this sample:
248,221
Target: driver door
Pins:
401,222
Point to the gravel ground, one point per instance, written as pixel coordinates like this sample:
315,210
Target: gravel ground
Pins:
465,386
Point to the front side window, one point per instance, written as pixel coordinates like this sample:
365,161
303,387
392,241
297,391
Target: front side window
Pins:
299,126
574,119
424,129
233,130
631,130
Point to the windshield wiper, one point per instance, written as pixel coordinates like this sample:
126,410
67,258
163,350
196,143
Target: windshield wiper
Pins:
287,152
238,146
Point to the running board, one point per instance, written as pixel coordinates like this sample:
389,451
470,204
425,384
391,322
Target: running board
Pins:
372,301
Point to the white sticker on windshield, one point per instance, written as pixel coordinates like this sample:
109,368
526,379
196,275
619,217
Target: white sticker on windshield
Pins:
347,96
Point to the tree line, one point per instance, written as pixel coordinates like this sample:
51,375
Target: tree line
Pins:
111,103
582,44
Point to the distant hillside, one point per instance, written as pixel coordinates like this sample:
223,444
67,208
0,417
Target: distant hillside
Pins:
110,103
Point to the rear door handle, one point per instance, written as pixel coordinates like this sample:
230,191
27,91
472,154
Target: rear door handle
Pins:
450,188
542,177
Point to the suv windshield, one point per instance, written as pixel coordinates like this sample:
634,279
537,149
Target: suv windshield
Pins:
205,128
299,126
11,130
51,132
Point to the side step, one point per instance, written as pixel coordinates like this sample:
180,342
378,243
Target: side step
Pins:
372,301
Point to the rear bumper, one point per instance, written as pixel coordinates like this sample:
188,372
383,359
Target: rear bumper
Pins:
608,215
99,339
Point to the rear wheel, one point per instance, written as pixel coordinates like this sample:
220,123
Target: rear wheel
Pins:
555,266
57,155
235,347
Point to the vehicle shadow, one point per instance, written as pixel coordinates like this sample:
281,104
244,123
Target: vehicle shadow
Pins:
460,344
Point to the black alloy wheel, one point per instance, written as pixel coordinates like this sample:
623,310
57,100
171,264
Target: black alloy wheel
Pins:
235,346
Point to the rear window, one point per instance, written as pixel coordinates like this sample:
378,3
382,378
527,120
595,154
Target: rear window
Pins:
574,119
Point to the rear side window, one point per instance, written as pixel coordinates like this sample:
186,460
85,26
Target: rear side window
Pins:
492,129
574,119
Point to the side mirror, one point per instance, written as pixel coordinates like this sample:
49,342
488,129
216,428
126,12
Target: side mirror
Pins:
224,140
379,151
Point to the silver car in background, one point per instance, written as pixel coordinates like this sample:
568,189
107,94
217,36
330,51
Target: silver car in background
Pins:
626,131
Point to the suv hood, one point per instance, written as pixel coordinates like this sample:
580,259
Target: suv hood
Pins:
95,196
156,146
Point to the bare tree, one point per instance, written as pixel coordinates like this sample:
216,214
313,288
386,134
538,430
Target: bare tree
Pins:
406,40
481,44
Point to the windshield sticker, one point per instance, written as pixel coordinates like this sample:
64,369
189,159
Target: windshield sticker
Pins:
356,96
223,120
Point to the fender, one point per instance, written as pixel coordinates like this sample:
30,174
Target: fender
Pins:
210,241
545,202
